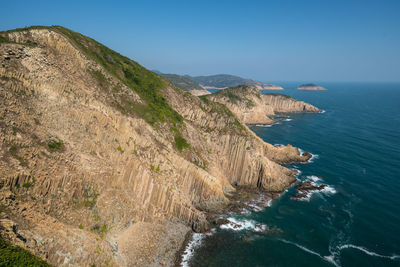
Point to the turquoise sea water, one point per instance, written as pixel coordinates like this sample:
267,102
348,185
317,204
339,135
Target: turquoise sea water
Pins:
357,222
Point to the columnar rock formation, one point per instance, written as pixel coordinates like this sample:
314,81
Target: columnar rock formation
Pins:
97,151
251,107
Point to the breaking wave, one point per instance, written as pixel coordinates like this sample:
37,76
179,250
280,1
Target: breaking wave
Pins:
243,224
333,257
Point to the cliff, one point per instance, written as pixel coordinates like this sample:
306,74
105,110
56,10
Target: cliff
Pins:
311,87
251,107
104,162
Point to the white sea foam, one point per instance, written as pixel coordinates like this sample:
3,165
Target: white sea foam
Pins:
329,259
279,145
316,181
264,125
255,207
313,156
194,243
314,178
287,119
329,190
243,224
371,253
323,111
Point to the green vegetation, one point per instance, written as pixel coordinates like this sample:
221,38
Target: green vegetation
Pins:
101,79
11,255
3,39
80,226
183,82
215,107
145,83
27,185
282,95
103,229
224,80
55,145
230,94
181,143
119,148
89,195
13,148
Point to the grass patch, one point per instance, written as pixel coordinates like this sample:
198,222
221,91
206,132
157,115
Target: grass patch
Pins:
119,148
181,143
145,83
27,185
3,39
100,78
55,145
11,255
281,95
13,149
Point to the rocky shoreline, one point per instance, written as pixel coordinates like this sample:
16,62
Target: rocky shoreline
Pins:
243,200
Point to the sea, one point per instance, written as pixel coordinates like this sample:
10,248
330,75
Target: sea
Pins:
355,220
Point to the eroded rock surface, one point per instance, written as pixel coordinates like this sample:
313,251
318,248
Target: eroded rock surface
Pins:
87,165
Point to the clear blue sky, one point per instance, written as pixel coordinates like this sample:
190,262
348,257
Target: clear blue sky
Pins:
275,40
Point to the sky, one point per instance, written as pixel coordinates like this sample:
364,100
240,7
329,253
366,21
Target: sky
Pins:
275,40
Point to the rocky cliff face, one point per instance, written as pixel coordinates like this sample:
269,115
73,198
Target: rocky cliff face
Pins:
96,151
251,107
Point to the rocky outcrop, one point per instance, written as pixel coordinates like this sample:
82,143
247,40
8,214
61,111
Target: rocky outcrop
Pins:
97,151
286,104
251,107
311,87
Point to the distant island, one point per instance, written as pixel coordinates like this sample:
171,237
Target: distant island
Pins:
311,87
198,85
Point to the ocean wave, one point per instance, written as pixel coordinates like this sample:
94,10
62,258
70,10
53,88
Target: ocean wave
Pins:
313,156
332,258
287,119
316,181
314,178
329,259
371,253
264,125
298,173
195,242
329,190
243,224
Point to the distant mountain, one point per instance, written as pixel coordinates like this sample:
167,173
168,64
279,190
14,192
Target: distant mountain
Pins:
182,82
221,81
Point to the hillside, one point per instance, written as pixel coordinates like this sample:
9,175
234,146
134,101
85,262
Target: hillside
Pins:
182,82
221,81
106,163
186,84
251,107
